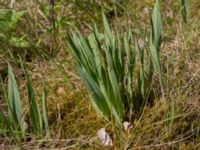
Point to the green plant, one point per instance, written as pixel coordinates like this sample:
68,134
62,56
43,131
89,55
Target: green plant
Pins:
185,10
107,63
156,37
37,119
14,123
9,19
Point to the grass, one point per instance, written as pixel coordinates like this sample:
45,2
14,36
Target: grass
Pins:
170,122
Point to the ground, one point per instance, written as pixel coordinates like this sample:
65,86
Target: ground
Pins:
172,121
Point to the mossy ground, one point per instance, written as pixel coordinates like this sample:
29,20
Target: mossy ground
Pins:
170,122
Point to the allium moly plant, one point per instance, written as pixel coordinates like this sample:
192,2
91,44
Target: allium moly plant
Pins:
14,124
114,68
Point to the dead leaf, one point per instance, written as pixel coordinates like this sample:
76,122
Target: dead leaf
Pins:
104,137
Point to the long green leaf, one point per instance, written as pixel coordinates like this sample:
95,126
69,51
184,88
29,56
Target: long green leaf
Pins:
33,109
156,38
14,100
97,96
34,112
185,10
156,25
44,111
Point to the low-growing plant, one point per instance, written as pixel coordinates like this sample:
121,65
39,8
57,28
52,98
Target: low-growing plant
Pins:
185,10
113,67
14,123
9,20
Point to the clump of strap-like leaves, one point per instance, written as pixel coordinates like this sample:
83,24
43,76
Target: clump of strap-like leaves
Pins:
114,67
14,123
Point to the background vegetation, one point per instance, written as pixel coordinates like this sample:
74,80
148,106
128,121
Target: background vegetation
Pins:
43,78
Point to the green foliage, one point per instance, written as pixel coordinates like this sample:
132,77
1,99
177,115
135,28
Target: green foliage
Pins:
36,117
29,33
107,62
14,103
14,122
156,38
185,10
9,19
34,111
